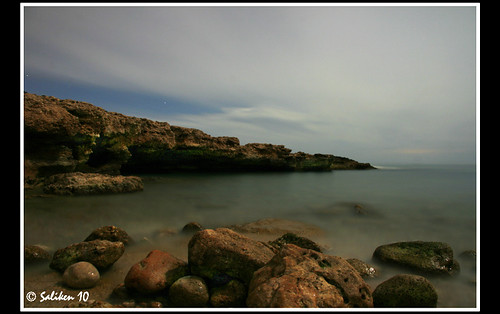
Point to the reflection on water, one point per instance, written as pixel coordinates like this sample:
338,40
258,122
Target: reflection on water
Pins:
358,210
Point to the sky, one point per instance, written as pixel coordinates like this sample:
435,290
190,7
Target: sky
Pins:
379,84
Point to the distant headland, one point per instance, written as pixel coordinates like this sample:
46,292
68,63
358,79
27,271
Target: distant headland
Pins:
64,136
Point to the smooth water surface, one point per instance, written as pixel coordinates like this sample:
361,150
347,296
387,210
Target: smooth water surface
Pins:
358,210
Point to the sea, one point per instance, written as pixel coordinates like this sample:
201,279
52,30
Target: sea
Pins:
357,211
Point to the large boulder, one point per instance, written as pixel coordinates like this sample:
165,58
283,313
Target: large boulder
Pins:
222,254
79,183
297,277
405,290
156,272
100,253
427,257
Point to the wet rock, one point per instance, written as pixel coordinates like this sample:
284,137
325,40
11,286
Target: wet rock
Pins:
297,277
189,291
100,253
428,257
79,183
215,253
192,227
81,275
292,238
110,233
35,254
365,270
405,290
231,294
156,272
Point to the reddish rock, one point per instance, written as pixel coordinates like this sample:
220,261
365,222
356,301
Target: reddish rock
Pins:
223,254
156,272
297,277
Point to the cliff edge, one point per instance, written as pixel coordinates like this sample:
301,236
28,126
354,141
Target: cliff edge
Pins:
62,135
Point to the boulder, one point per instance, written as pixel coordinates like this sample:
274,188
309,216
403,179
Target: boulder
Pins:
231,294
222,254
79,183
156,272
405,290
100,253
427,257
81,275
297,277
188,291
110,233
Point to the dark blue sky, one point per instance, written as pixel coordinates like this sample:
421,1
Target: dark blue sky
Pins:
378,84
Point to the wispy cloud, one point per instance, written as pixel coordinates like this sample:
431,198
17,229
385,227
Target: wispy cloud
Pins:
358,81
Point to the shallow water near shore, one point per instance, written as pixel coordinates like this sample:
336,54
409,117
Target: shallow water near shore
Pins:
358,210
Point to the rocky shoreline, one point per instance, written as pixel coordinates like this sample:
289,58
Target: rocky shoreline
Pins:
225,268
68,136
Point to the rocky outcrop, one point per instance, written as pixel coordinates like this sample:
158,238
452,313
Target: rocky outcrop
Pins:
71,136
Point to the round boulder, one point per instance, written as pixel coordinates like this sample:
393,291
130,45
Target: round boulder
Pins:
405,290
189,291
81,275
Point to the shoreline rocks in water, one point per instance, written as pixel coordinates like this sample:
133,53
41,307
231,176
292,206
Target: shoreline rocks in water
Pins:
66,136
428,257
227,269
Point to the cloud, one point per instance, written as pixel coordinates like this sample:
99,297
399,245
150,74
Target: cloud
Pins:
363,81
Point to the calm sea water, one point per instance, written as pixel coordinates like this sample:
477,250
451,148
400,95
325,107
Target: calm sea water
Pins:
401,203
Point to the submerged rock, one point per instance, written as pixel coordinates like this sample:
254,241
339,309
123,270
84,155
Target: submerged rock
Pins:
156,272
405,290
222,254
297,277
292,238
277,226
110,233
428,257
35,254
79,183
192,227
100,253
